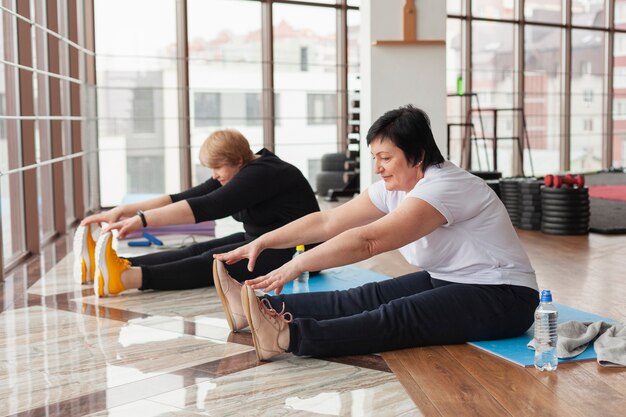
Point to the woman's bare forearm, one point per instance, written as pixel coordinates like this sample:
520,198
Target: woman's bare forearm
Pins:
308,229
131,209
174,213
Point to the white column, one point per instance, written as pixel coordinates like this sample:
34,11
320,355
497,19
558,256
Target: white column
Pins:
395,75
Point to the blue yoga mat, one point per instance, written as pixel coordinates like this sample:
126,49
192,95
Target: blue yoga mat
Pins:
516,351
341,278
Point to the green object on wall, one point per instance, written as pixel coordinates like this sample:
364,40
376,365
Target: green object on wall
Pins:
459,85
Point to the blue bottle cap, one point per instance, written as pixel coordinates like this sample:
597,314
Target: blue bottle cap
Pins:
546,296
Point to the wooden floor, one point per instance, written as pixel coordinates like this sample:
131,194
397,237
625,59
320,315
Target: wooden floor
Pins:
586,272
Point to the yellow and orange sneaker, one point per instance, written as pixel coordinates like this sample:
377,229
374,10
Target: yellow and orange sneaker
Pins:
109,268
84,253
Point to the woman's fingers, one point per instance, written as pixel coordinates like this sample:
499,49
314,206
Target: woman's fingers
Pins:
274,281
275,286
256,282
124,230
236,255
95,218
228,257
110,227
251,262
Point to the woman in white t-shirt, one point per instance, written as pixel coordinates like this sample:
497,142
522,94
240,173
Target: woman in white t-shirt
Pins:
477,282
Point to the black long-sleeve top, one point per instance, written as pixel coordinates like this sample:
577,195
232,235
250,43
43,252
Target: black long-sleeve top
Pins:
265,194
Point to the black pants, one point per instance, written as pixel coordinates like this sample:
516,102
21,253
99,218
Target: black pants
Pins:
408,311
192,267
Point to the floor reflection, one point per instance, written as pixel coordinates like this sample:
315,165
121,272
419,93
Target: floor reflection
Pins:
64,352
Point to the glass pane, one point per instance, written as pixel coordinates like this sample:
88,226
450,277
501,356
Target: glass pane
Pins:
620,14
455,86
454,7
354,47
493,81
225,73
356,3
588,13
587,96
543,10
619,100
305,67
90,135
11,195
494,9
354,86
542,98
137,99
42,126
11,198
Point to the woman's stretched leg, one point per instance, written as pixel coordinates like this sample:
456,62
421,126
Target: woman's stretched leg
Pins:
334,304
449,313
158,258
197,271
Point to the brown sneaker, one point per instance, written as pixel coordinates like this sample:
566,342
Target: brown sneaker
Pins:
229,291
270,329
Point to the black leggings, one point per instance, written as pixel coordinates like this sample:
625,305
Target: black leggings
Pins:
192,267
408,311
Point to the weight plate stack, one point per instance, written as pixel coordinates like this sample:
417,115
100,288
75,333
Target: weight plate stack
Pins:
565,210
510,196
530,204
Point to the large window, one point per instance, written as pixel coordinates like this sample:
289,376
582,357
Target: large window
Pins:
564,104
11,196
305,76
42,126
455,87
542,97
166,79
493,81
225,72
137,98
619,92
588,72
275,81
43,83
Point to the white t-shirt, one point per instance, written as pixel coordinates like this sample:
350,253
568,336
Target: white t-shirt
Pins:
477,245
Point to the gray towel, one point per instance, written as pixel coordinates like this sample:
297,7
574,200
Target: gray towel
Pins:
575,336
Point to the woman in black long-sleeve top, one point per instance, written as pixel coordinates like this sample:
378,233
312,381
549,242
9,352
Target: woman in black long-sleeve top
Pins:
259,190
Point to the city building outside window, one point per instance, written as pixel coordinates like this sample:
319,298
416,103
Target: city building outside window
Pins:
207,109
321,109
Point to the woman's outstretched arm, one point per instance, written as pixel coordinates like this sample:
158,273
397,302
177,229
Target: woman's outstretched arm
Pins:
412,220
126,210
313,228
175,213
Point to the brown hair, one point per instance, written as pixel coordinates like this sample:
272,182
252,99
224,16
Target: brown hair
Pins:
225,147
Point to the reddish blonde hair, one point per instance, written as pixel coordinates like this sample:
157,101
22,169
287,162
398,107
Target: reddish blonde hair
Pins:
225,147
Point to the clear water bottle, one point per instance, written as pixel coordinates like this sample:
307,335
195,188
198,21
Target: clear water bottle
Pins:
545,333
304,276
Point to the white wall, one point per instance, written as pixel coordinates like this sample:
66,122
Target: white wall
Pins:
392,76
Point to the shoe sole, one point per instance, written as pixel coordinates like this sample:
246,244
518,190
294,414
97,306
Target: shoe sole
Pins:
220,293
101,247
245,299
80,246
